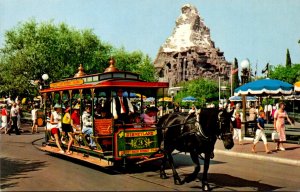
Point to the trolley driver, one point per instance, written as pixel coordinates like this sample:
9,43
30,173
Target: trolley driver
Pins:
121,107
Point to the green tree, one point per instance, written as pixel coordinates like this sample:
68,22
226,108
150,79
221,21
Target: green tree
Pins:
32,49
205,90
135,62
147,70
288,62
287,74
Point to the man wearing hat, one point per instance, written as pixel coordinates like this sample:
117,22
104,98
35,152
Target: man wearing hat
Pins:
121,107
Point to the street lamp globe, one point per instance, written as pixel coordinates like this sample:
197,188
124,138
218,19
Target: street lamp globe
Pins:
45,77
245,64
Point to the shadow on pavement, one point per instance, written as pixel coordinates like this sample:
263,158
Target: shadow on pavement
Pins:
225,181
14,169
291,148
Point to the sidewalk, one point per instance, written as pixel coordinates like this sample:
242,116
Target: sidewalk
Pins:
290,156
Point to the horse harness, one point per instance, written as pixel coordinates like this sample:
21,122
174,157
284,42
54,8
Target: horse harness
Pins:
198,132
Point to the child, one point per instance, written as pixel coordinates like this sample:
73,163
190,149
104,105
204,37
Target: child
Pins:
237,125
260,132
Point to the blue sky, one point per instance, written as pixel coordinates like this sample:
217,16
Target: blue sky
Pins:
260,30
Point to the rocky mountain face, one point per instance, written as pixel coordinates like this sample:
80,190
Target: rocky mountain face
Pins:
189,53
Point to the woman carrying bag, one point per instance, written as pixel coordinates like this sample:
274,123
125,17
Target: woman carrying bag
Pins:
279,125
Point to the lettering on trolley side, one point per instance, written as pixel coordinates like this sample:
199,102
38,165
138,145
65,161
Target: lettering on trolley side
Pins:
66,83
103,126
140,134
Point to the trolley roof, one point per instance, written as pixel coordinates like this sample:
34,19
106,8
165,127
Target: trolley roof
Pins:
110,78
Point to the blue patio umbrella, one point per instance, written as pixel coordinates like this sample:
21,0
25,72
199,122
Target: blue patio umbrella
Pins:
265,87
149,99
189,99
238,98
125,94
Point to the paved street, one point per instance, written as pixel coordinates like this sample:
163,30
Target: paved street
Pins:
24,167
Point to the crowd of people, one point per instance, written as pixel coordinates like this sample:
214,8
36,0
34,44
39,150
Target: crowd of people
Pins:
11,117
259,115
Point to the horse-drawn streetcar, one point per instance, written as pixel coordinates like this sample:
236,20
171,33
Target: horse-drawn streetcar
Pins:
115,140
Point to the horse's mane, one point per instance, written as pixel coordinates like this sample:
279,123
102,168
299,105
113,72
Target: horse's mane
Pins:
208,119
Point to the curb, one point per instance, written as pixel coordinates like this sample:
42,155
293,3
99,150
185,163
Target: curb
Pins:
258,157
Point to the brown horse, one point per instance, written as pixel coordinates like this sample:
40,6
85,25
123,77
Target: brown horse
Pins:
186,133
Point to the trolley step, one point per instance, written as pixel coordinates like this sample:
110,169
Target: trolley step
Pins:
80,156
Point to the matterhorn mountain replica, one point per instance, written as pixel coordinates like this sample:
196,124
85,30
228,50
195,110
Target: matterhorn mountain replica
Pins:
189,53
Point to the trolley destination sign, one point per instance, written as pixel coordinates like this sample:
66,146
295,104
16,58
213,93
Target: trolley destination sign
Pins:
136,141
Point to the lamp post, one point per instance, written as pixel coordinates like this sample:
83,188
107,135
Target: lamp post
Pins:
45,77
245,64
172,95
223,89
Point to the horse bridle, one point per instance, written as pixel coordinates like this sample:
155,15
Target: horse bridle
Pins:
221,123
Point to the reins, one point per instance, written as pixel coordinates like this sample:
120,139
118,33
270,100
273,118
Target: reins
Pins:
200,131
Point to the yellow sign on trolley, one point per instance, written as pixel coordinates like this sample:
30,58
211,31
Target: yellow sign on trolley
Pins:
67,83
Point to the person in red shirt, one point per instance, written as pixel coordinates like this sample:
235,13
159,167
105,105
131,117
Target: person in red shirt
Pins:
4,115
237,125
75,120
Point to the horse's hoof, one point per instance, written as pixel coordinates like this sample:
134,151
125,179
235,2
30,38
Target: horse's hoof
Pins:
164,177
178,182
205,187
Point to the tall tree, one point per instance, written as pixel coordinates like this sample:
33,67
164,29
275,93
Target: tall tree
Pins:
136,62
288,59
32,49
235,75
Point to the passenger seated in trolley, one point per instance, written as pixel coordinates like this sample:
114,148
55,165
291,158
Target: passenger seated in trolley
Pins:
97,111
103,112
121,107
87,123
136,120
149,117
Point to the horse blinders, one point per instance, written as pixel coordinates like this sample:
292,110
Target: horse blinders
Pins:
224,127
